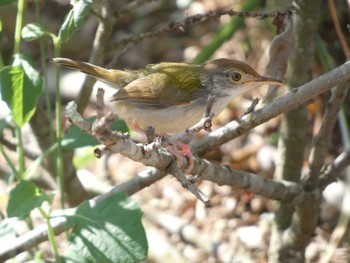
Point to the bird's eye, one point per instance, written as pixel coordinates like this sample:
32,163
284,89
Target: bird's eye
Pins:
236,76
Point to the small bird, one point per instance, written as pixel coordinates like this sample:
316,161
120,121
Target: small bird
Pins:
172,97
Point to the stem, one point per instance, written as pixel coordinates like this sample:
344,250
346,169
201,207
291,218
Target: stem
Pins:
19,21
59,159
343,123
51,235
1,62
20,152
8,161
44,73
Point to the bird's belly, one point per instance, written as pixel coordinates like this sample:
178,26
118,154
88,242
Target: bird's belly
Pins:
169,120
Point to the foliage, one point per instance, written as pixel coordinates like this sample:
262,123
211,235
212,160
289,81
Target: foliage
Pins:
110,231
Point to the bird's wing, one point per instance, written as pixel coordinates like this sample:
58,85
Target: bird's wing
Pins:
160,90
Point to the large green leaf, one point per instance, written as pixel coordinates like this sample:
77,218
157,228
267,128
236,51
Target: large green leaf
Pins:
24,198
74,19
109,232
20,86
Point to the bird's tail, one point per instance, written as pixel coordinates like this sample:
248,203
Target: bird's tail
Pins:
110,76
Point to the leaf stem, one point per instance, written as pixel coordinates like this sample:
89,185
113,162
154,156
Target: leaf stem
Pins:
20,152
51,235
16,50
59,159
44,73
18,29
9,162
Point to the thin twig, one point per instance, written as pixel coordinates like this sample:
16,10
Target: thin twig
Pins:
180,176
13,146
190,21
323,137
334,170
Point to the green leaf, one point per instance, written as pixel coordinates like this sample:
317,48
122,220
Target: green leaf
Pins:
20,86
75,138
109,232
74,19
33,31
24,198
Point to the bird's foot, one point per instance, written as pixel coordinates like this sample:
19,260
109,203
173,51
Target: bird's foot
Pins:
179,150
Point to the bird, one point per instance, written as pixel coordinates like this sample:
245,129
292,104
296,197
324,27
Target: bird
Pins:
172,96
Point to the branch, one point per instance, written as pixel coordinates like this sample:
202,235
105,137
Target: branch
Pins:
222,175
279,190
280,50
335,169
323,137
176,27
121,143
31,239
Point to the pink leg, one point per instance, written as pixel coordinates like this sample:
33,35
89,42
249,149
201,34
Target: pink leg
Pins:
184,150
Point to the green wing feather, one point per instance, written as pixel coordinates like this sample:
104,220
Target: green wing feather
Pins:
165,85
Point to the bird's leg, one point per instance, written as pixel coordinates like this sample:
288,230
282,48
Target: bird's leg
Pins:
173,143
180,149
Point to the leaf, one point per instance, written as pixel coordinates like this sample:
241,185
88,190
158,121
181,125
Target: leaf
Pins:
109,232
20,86
33,31
24,198
75,138
74,19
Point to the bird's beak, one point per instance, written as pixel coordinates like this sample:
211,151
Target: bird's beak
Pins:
264,81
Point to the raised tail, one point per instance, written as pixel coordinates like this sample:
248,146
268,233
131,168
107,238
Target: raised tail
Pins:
111,76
